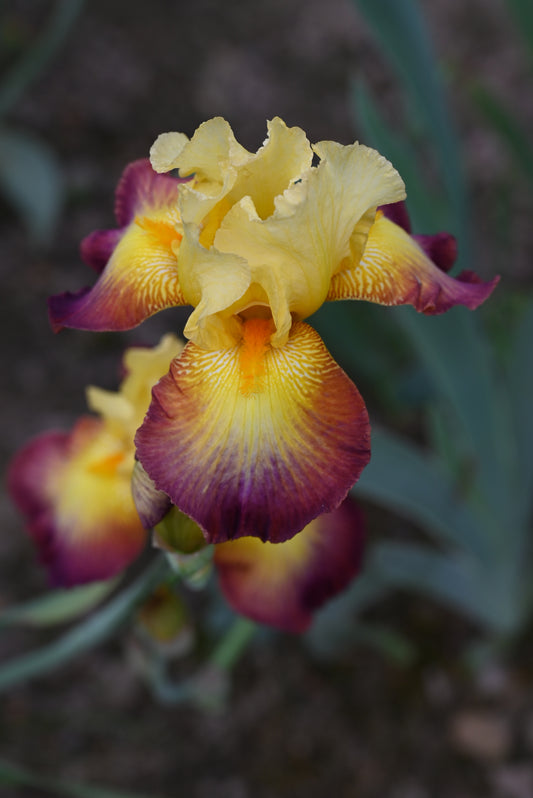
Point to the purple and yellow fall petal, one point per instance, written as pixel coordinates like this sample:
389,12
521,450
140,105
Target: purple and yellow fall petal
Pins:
255,440
140,276
395,270
282,584
74,491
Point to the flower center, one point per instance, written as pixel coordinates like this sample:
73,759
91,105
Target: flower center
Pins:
256,334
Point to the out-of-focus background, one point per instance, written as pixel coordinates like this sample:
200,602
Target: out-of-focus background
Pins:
367,721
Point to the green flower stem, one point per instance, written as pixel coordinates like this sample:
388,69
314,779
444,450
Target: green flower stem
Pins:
85,635
209,686
233,644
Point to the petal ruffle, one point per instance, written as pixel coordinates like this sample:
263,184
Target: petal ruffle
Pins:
275,226
74,491
255,440
283,584
395,270
140,276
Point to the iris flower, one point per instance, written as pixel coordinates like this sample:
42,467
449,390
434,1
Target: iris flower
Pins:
75,491
256,431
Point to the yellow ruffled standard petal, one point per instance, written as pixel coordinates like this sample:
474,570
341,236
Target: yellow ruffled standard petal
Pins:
269,229
255,440
395,270
319,225
282,584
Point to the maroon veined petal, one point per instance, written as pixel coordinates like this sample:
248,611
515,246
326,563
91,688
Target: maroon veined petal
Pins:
255,444
283,584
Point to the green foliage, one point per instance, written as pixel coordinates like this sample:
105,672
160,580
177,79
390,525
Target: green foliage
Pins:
31,180
35,60
58,606
209,686
30,176
522,11
508,128
473,494
336,630
404,478
400,30
87,634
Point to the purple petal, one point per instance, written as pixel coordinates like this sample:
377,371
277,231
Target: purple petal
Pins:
441,248
97,248
140,187
397,213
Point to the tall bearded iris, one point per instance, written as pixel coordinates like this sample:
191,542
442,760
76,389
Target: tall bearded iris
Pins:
256,430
